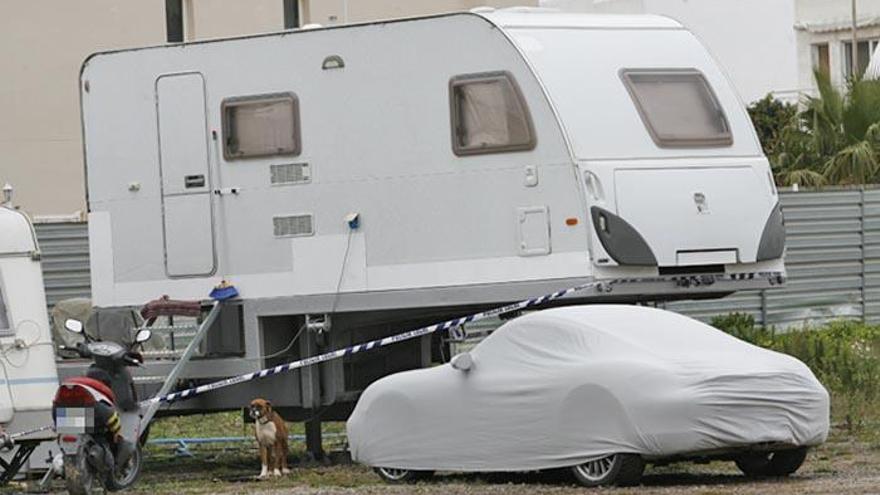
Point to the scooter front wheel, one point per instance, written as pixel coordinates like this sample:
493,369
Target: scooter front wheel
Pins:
126,475
78,475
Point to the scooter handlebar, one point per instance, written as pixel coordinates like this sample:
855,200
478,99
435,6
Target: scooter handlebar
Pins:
131,360
83,349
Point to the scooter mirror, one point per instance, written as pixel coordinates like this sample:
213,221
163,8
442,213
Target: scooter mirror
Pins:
143,335
74,326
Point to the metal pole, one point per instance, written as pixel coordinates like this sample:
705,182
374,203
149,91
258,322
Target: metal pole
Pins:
855,44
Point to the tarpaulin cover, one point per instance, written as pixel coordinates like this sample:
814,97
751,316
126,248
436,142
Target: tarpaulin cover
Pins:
564,386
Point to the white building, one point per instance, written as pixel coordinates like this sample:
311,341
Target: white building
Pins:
824,34
766,46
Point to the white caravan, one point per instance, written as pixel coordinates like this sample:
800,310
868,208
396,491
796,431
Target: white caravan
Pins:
28,378
422,167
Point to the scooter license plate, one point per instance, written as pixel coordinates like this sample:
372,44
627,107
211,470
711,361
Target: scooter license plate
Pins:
74,420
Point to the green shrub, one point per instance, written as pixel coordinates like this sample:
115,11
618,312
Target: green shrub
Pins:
743,327
844,356
770,116
832,138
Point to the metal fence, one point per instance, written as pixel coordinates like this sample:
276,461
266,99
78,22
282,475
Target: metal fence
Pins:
832,259
65,250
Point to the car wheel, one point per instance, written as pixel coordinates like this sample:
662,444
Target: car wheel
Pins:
615,469
778,463
394,475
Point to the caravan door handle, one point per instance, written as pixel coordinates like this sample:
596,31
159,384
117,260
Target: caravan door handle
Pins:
193,181
227,190
593,186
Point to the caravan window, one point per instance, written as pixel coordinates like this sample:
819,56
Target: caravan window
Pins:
489,115
678,107
4,315
263,125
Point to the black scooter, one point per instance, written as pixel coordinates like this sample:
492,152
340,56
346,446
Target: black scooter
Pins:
84,409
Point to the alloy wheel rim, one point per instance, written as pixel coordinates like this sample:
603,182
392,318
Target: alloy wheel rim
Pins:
394,474
597,469
127,472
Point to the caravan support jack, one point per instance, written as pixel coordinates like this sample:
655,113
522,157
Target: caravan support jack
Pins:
22,453
314,443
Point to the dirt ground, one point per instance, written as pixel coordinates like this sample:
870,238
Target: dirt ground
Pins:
838,467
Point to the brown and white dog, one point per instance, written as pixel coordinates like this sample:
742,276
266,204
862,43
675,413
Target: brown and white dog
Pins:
271,433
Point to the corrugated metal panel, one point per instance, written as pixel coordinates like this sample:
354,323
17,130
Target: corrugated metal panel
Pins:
871,264
832,260
832,256
65,250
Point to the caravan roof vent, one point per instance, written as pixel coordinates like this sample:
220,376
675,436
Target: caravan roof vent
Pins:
294,225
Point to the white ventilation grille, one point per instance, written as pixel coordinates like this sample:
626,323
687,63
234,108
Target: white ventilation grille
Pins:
293,225
290,173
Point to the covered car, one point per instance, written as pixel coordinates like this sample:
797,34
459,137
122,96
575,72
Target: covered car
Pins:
601,389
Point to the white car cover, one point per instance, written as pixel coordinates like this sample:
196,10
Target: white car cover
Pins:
564,386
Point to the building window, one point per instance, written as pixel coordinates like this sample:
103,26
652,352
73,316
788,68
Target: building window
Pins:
821,58
489,115
866,51
174,21
263,125
291,14
4,315
678,107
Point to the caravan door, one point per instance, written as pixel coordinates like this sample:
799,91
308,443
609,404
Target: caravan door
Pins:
186,182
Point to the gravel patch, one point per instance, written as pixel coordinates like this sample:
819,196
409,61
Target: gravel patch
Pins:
835,468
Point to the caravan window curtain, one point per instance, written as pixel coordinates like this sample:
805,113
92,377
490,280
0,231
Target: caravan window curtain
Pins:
264,125
489,115
678,107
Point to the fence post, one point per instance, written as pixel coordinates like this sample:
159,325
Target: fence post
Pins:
764,322
862,249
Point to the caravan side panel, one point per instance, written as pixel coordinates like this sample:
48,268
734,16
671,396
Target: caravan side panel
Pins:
375,140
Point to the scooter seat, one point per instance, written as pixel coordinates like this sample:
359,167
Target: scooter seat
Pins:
92,383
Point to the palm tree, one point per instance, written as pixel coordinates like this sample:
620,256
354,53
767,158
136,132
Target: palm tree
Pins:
843,130
835,139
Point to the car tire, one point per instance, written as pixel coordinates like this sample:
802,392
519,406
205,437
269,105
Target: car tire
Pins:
615,469
776,463
395,476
